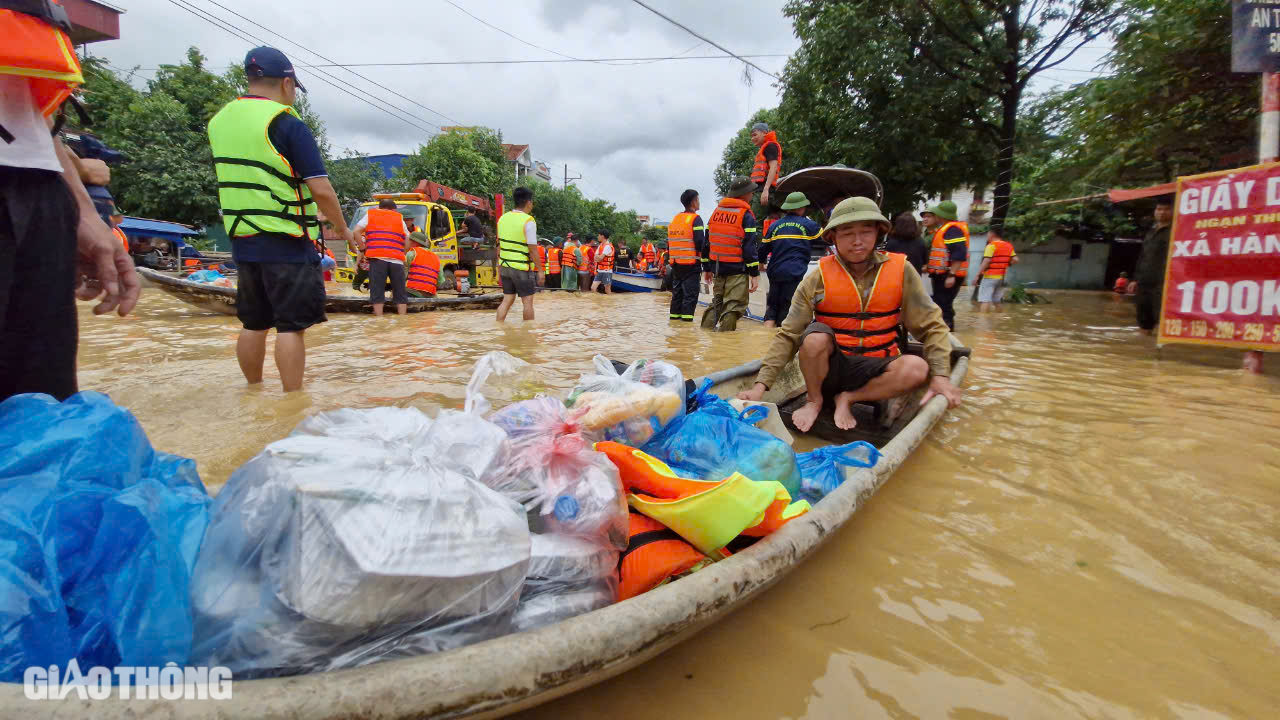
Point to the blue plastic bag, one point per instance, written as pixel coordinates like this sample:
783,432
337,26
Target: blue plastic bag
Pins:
98,537
715,441
820,469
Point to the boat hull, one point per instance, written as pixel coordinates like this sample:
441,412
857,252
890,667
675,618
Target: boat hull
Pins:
635,282
223,300
515,672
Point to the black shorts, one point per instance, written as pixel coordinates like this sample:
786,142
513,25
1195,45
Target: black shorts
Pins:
286,296
382,274
846,372
38,334
518,282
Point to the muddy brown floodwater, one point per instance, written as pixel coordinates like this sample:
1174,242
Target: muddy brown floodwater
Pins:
1094,534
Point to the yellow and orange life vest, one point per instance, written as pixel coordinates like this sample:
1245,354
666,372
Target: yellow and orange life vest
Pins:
384,236
726,231
760,171
43,54
870,330
938,252
680,239
568,258
603,260
1000,258
654,555
424,272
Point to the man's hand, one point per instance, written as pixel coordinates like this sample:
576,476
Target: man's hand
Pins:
764,198
754,285
941,385
104,268
94,172
347,236
950,282
754,394
707,277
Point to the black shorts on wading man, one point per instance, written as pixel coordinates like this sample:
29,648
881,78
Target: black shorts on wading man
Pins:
846,373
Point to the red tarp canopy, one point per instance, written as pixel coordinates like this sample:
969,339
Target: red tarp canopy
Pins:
1119,196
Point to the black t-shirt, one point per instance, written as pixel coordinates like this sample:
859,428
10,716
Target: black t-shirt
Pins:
772,151
474,229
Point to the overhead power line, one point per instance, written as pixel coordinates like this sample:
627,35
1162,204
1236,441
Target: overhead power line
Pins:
712,43
335,82
546,60
328,60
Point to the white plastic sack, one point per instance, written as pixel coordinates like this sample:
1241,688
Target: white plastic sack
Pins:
568,576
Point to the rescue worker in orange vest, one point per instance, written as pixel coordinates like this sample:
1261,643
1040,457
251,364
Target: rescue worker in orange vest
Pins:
996,260
604,260
844,322
51,225
553,265
730,257
768,165
116,219
648,257
383,237
687,243
569,254
423,265
948,256
542,260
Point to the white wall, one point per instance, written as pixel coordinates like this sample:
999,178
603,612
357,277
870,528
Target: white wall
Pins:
1049,265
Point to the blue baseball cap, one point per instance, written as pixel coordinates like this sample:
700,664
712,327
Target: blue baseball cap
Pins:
269,62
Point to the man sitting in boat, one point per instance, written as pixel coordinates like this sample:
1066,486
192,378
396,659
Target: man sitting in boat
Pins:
844,322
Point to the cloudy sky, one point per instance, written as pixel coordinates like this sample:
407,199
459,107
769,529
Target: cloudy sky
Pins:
637,133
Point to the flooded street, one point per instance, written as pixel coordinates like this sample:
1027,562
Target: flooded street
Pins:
1094,534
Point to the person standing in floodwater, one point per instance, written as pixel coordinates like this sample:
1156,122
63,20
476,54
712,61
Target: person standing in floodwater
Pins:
518,258
264,154
1150,271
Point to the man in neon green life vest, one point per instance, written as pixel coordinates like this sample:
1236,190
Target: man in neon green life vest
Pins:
518,263
271,179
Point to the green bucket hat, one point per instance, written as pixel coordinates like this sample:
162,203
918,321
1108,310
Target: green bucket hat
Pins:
795,200
945,210
856,209
741,186
420,237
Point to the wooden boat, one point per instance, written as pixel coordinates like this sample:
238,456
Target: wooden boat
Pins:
494,678
223,300
624,281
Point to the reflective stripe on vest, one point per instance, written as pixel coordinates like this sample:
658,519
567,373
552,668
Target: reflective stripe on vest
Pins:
760,171
384,236
424,271
513,248
257,188
568,259
1000,259
43,54
938,252
725,231
553,261
604,261
873,330
680,239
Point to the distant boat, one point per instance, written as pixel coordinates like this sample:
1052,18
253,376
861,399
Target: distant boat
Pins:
624,281
223,300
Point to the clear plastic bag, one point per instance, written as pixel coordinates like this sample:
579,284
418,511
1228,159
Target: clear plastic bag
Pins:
628,408
98,537
820,471
327,553
568,576
715,441
391,427
500,379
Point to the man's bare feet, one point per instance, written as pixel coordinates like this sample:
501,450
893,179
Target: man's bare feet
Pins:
805,417
844,412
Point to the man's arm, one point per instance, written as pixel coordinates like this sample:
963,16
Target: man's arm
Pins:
751,247
531,239
327,200
787,338
102,258
923,319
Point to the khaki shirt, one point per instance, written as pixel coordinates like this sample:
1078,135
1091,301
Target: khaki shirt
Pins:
920,315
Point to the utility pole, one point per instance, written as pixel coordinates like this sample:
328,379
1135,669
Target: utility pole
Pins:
567,178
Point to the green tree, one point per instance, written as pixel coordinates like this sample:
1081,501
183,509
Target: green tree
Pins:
354,178
740,154
471,160
954,70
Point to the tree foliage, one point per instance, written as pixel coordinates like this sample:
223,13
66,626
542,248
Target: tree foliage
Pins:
468,159
560,211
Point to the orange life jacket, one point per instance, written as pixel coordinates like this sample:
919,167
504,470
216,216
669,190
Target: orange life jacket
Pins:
726,231
1121,285
654,555
424,271
604,261
938,253
760,171
648,255
43,54
680,239
124,239
384,235
1000,259
568,259
542,254
553,261
873,330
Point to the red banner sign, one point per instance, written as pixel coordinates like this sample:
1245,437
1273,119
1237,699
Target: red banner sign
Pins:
1222,280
